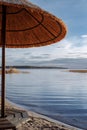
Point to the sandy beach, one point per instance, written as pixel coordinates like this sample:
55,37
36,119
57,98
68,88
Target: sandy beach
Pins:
39,122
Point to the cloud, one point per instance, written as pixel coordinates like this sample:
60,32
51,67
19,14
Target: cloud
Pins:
74,47
84,36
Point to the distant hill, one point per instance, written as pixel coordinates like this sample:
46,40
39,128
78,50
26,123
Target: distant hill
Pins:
70,63
59,63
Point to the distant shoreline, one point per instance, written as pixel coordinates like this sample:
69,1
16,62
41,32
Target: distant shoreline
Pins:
36,67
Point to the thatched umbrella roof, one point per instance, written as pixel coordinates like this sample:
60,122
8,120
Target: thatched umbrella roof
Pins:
23,25
27,25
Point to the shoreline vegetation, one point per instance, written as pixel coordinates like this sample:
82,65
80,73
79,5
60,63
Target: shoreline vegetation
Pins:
39,122
79,71
16,69
13,70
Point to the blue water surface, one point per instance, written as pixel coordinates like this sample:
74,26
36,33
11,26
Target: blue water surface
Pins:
58,94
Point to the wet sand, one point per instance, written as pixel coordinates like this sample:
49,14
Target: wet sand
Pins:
39,122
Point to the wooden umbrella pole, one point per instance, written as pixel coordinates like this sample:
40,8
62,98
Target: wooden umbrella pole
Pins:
3,36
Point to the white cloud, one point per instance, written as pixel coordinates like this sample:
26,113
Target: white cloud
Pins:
75,47
84,36
71,48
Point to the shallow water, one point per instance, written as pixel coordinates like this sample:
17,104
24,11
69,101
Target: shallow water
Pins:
56,93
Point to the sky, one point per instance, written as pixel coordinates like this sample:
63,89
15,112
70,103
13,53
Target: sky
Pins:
74,45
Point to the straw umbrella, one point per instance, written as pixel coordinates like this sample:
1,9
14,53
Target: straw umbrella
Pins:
23,25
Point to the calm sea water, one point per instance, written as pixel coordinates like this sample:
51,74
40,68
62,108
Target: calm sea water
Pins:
55,93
